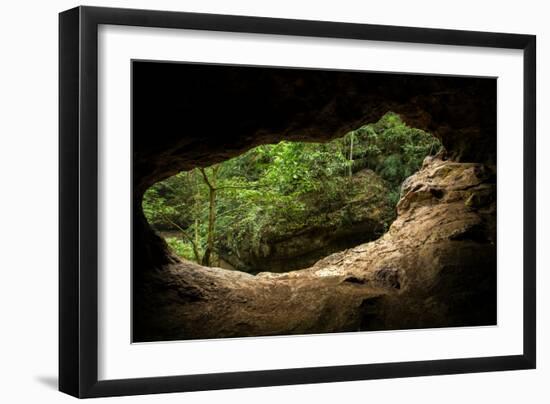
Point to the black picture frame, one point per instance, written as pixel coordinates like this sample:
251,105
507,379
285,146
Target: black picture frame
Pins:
78,206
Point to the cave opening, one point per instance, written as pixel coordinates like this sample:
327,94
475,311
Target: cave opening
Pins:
282,207
434,267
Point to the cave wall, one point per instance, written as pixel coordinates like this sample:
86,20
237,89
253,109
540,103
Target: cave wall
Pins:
188,115
435,267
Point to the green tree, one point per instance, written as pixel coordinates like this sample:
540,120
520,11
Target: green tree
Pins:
279,187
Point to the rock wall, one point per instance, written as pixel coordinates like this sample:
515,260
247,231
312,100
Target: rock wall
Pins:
435,267
189,115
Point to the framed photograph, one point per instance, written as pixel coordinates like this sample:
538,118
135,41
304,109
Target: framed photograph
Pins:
252,201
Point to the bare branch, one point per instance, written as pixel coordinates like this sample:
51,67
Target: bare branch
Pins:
241,187
203,172
187,237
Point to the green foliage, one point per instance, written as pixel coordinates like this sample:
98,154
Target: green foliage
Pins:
180,247
282,187
391,148
177,199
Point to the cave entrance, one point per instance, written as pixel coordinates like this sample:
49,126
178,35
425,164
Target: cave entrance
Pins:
281,207
187,116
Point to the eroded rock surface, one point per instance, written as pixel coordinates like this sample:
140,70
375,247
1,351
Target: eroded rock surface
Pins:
435,267
195,115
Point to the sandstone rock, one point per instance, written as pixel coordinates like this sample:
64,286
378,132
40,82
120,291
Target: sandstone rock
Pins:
196,115
435,267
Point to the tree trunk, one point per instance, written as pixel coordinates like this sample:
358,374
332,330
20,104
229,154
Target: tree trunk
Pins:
351,156
206,259
197,240
211,222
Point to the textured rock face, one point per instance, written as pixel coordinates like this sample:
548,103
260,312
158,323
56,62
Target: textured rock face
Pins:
435,267
188,115
193,115
280,247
